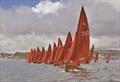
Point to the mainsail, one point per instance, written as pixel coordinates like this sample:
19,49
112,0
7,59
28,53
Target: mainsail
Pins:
35,55
42,55
54,52
48,55
38,54
58,52
65,50
32,55
29,59
79,50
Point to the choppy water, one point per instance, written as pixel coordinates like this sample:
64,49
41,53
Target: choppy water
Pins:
20,71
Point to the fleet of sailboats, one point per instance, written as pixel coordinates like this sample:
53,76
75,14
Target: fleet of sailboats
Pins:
75,52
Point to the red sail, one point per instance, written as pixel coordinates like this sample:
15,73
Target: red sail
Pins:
96,58
33,55
30,56
42,55
48,55
67,46
79,50
37,55
64,52
59,49
54,52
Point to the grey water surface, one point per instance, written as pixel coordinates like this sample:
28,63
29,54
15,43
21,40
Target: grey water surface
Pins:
20,71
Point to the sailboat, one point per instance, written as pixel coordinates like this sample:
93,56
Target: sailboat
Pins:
48,55
79,50
53,53
34,56
30,56
38,55
58,51
75,52
40,60
65,50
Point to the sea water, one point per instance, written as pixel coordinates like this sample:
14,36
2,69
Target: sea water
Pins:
20,71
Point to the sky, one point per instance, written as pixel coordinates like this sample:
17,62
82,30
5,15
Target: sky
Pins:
26,24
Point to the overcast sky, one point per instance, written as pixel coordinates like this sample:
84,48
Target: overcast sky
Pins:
26,24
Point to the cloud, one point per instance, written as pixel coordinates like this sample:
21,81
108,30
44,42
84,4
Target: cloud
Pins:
24,42
22,29
108,42
114,3
46,7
